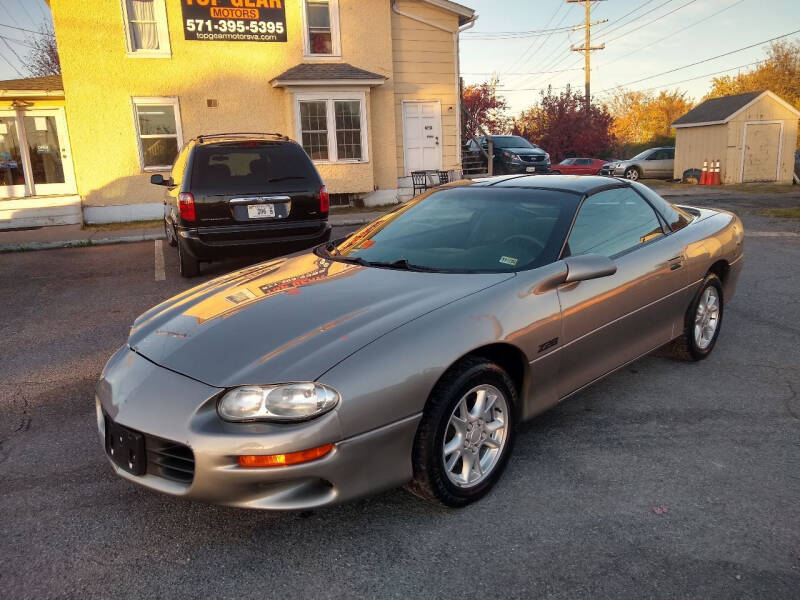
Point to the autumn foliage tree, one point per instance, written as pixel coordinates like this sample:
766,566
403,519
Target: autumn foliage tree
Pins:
564,125
486,108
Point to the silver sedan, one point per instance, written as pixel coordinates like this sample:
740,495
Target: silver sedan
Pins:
409,352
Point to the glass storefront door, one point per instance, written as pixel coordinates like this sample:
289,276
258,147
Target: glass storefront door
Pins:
34,154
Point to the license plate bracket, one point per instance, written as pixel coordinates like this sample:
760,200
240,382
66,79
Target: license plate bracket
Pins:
126,448
261,211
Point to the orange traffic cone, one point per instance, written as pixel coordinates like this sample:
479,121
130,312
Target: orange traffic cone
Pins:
716,179
704,174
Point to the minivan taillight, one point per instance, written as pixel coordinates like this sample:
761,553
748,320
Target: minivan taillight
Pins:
186,206
324,200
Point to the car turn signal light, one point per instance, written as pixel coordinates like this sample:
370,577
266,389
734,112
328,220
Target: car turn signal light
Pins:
186,206
284,460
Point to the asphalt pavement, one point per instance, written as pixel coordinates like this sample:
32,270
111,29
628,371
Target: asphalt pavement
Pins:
665,480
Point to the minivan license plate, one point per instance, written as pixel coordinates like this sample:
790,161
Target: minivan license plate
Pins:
260,211
530,169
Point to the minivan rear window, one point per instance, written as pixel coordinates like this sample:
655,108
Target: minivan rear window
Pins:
250,167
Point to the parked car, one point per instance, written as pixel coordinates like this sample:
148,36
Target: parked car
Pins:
236,193
514,154
654,163
410,351
578,166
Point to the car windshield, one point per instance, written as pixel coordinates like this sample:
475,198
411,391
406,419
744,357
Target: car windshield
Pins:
245,167
511,141
465,229
642,155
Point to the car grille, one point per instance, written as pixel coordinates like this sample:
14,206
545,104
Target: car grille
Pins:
169,460
533,158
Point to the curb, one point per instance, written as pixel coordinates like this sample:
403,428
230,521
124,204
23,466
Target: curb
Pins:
23,246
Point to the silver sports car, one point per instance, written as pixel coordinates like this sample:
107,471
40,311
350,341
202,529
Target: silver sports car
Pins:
408,352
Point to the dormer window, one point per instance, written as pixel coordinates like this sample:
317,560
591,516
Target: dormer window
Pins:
321,28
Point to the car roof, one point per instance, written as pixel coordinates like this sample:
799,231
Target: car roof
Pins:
215,138
577,184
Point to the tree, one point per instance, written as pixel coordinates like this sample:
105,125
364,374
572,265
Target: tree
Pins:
643,119
564,125
42,60
779,73
486,108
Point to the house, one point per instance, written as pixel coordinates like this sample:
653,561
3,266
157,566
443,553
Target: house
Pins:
37,183
370,88
753,136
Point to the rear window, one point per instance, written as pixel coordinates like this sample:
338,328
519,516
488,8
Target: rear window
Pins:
251,167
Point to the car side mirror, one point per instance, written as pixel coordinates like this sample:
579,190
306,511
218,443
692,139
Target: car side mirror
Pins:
158,179
588,266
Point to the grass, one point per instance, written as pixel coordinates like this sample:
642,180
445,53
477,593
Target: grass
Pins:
783,213
124,226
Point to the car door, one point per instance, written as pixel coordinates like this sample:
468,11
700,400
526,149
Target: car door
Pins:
655,165
609,321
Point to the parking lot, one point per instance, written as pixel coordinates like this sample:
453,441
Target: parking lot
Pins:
665,480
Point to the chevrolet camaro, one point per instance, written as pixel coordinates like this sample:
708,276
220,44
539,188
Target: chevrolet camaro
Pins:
409,351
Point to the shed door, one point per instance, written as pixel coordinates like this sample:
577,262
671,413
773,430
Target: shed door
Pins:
761,147
422,134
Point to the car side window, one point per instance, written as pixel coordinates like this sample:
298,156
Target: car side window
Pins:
612,222
669,153
584,161
657,155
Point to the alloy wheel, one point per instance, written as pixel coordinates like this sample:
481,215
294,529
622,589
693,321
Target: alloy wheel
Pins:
475,436
706,318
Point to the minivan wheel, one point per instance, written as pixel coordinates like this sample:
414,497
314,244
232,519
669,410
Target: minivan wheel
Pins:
466,434
189,266
632,173
169,232
702,322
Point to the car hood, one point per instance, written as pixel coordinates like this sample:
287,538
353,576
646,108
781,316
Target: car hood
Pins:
289,319
525,151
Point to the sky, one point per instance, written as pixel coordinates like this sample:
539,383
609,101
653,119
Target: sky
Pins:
644,39
695,31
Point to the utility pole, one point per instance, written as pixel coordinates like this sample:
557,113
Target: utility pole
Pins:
587,46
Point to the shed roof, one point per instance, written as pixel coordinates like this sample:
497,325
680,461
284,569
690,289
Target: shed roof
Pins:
716,111
51,83
327,74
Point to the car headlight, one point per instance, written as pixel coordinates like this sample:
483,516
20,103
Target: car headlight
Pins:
282,402
547,157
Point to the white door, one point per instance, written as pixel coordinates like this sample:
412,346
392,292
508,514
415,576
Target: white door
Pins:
761,151
422,136
34,154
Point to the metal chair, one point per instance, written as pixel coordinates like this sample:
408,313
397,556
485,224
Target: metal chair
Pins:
419,180
444,177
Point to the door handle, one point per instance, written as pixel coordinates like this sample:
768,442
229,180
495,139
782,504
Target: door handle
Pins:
675,263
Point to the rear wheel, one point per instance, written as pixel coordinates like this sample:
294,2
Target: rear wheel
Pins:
169,232
189,266
702,322
633,173
466,434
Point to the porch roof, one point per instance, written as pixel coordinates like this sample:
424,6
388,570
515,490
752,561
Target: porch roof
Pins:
327,74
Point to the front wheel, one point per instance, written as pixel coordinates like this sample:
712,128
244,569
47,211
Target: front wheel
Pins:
702,322
466,434
556,172
632,173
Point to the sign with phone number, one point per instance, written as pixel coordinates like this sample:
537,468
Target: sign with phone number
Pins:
234,20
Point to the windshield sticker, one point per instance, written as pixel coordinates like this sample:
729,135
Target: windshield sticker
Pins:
507,260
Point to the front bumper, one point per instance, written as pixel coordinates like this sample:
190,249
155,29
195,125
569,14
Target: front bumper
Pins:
208,243
164,405
526,167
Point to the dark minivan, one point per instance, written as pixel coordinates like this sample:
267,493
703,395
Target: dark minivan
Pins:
237,193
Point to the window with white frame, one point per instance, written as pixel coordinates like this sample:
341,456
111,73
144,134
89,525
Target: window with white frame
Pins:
331,126
321,32
158,128
146,27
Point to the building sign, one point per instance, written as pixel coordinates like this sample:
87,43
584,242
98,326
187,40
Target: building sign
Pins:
234,20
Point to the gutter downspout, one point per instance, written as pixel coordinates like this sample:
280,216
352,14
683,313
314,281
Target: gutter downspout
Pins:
455,33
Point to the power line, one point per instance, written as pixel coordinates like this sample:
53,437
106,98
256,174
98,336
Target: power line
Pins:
10,64
519,73
501,35
522,58
640,27
25,9
700,62
27,30
20,42
714,14
587,46
641,6
10,14
550,55
644,14
14,52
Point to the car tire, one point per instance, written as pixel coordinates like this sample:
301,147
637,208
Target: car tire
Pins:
188,265
169,232
697,340
633,173
439,475
555,172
